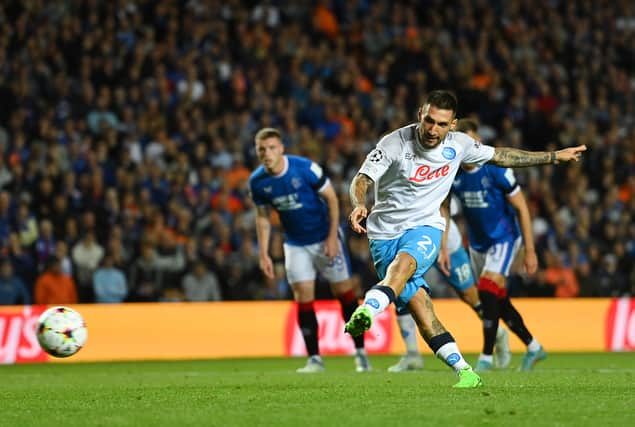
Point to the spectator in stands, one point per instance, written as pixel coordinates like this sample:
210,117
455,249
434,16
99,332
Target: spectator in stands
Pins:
12,289
86,255
53,286
201,284
559,276
98,121
109,282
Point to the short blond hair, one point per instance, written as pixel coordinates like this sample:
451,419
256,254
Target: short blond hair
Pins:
265,133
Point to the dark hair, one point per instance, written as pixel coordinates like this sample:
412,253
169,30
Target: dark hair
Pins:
51,262
466,125
265,133
442,99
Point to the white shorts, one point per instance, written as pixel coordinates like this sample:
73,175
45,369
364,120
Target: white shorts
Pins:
497,259
302,263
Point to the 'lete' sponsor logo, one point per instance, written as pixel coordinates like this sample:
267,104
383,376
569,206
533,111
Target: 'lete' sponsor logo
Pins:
423,173
620,325
331,336
18,343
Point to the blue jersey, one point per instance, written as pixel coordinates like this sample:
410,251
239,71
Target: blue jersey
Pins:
295,195
483,193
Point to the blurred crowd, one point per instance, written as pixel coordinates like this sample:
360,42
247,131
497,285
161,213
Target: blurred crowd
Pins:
126,131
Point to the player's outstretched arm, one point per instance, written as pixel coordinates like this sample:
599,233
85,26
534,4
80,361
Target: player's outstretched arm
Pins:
358,189
514,158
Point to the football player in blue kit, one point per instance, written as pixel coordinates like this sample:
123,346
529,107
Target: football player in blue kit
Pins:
306,202
499,222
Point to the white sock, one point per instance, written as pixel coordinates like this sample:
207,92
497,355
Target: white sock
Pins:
360,352
534,345
376,301
486,358
408,328
452,357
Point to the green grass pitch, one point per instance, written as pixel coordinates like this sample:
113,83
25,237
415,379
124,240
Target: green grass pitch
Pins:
564,390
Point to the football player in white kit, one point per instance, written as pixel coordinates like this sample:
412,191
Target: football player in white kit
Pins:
411,170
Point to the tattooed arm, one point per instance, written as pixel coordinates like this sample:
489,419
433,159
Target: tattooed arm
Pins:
514,158
359,188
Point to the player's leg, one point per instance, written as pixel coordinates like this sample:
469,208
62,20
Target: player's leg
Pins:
514,321
497,265
412,360
396,261
488,289
343,291
440,340
301,277
337,271
462,280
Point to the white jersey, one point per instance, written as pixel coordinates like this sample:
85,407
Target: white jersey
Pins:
411,182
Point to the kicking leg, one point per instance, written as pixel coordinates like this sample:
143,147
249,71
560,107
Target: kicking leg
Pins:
379,297
440,340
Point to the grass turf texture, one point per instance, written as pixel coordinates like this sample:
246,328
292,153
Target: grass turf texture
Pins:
564,390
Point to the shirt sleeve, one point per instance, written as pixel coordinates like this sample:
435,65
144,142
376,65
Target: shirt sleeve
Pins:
477,153
379,159
256,197
505,180
316,177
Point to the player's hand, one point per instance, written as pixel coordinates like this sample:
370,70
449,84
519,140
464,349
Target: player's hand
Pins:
331,247
443,261
531,262
570,154
357,216
266,265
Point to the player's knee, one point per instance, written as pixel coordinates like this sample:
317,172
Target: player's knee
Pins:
303,292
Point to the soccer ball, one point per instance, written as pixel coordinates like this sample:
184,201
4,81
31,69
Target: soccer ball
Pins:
61,331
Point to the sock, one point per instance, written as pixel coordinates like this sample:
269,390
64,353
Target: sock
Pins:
348,301
514,320
309,327
445,348
491,313
478,308
486,358
534,346
378,298
408,328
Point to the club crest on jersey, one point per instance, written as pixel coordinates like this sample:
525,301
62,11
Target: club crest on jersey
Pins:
423,173
267,189
296,183
449,153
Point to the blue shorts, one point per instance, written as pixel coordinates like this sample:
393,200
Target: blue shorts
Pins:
421,243
461,276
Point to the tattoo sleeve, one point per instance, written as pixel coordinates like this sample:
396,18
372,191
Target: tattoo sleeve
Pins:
359,187
514,158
